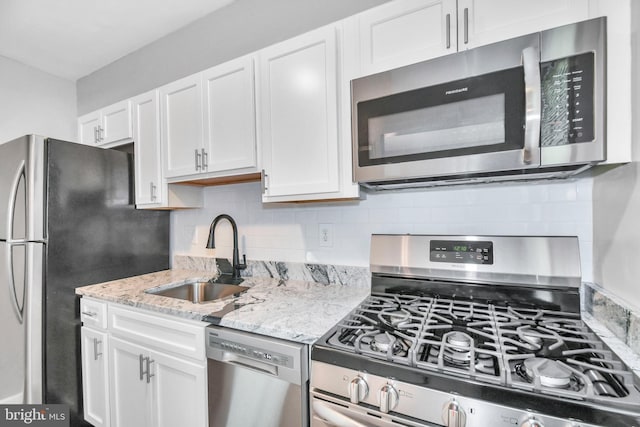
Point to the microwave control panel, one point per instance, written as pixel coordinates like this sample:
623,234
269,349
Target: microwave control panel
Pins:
567,100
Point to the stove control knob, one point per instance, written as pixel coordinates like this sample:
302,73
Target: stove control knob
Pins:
532,422
453,415
388,398
358,390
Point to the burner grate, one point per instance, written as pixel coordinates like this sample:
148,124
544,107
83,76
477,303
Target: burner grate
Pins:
538,350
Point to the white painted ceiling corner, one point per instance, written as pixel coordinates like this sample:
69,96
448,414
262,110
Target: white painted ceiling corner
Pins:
73,38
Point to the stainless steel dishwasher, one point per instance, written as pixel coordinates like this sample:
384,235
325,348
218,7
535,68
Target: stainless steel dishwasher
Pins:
256,380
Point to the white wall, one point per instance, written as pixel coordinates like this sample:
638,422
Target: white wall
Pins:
616,204
243,27
290,232
32,101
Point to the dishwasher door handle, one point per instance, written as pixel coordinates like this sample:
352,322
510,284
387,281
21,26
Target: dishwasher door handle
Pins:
245,362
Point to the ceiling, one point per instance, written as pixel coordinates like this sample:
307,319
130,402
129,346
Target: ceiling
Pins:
73,38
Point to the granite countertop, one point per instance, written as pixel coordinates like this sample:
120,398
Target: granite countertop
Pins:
296,310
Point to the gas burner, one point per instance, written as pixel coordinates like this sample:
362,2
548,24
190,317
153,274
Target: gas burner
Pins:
460,340
551,373
394,318
458,347
385,341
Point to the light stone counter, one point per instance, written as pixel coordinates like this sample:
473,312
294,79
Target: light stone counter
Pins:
290,309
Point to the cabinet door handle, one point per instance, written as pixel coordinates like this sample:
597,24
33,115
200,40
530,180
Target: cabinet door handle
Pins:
466,25
448,29
149,374
198,166
96,343
153,191
90,313
101,133
142,359
205,160
95,134
263,180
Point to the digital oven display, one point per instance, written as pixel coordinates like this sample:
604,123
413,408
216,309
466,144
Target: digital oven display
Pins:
464,252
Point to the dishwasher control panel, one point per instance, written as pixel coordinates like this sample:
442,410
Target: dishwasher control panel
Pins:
252,352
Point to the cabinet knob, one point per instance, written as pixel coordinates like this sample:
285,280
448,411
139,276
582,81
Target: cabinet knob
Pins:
149,374
205,160
96,353
153,194
198,165
263,180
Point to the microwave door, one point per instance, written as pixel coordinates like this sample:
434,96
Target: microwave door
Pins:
486,121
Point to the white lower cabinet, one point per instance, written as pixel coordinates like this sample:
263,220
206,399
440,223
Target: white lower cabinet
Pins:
150,388
95,366
153,372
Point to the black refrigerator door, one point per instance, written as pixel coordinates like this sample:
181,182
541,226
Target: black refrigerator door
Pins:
95,234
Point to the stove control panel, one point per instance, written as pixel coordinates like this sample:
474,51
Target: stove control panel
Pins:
461,252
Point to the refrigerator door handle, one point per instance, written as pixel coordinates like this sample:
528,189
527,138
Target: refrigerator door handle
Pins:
19,311
11,206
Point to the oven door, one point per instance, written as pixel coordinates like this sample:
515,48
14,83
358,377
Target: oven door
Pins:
328,411
476,111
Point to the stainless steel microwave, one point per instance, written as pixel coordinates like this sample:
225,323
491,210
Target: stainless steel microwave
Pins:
528,107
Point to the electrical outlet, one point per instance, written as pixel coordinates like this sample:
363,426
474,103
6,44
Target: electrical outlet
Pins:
325,235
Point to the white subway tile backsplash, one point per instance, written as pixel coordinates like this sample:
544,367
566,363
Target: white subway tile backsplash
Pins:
289,232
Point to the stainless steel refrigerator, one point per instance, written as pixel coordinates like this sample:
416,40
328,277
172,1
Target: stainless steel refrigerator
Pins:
67,219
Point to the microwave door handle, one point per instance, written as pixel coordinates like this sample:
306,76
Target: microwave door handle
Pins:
533,106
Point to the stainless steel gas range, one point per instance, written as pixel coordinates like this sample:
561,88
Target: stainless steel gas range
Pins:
473,331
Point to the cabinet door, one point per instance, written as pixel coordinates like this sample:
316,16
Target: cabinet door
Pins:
403,32
229,115
181,118
482,22
116,123
146,137
299,115
95,378
130,394
179,392
88,128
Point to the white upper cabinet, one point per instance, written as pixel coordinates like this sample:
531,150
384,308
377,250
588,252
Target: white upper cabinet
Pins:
403,32
299,118
182,134
230,116
109,127
482,22
208,123
88,128
151,189
146,134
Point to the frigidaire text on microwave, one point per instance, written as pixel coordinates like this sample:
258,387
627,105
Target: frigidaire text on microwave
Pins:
528,107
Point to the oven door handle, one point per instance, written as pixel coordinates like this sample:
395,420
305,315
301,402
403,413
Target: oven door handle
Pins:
533,103
329,415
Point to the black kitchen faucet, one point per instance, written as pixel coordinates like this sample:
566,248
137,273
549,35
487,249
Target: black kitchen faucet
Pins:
211,244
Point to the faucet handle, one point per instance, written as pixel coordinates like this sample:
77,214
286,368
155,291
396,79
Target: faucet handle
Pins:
244,263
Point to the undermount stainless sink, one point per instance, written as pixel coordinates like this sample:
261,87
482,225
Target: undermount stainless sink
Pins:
199,291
